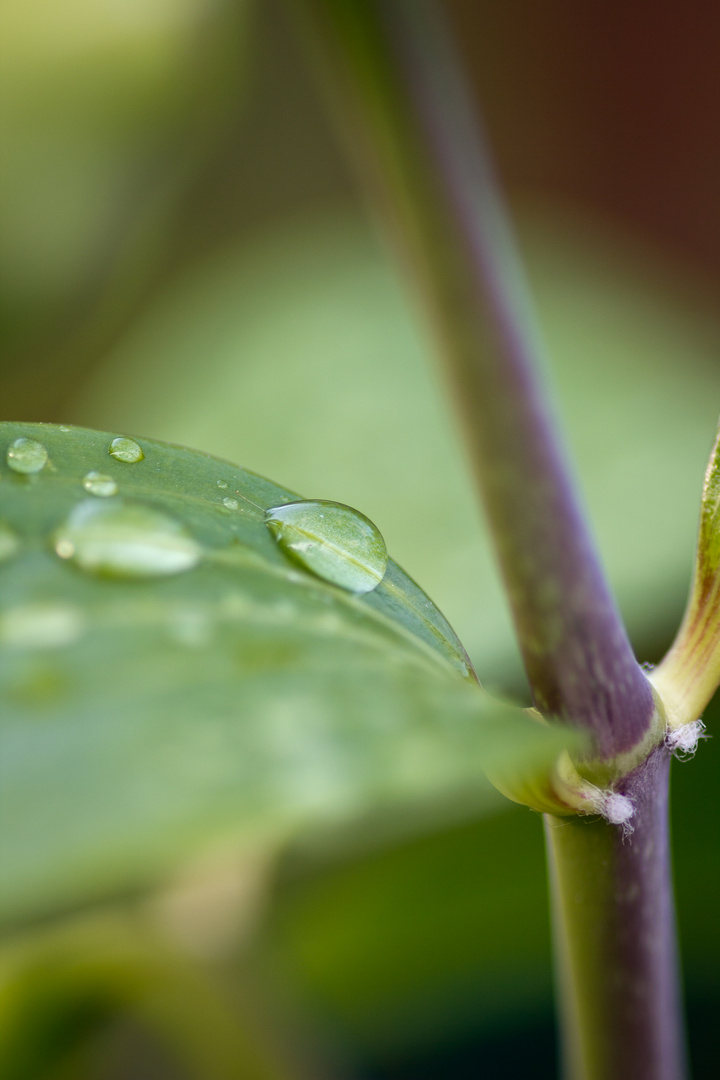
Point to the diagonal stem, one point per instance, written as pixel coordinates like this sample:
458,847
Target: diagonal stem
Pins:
401,104
394,79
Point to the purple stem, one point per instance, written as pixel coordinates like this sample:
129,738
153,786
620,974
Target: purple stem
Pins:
421,149
615,938
409,124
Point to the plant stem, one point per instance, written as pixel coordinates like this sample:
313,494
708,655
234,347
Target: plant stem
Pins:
405,113
395,84
614,938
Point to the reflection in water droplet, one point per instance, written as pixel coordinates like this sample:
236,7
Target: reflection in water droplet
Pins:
26,456
41,626
9,542
126,450
222,483
232,504
98,483
334,541
128,540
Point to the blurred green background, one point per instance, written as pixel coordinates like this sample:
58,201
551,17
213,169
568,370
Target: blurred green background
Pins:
185,256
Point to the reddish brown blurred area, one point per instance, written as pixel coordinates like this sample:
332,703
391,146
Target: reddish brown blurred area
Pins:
611,104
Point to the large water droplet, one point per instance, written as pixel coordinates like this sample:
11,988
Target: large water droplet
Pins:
128,540
9,542
26,456
231,504
126,450
98,483
334,541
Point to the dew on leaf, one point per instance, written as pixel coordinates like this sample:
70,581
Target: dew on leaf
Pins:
222,483
333,541
26,456
97,483
231,504
9,542
125,450
41,625
125,540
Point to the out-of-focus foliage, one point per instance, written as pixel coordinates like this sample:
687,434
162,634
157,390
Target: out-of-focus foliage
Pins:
68,981
178,270
300,355
107,110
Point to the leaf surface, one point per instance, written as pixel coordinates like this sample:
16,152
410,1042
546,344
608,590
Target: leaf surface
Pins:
315,369
224,696
689,674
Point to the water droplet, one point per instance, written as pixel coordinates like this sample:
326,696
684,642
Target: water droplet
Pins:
9,542
334,541
232,504
65,428
98,483
127,540
26,456
41,626
126,450
222,483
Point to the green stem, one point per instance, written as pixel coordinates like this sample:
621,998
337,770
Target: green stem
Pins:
614,937
396,87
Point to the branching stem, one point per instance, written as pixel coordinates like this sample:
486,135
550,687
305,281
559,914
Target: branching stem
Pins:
396,87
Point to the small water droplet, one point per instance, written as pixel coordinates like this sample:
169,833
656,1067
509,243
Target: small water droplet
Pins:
222,483
127,540
65,428
41,626
333,541
232,504
126,450
9,542
26,456
98,483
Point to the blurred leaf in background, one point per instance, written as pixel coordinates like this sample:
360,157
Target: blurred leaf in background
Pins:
299,355
107,111
184,258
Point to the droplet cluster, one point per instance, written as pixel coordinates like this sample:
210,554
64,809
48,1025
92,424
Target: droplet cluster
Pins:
109,536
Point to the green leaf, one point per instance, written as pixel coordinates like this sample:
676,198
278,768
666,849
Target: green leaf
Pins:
690,673
171,680
315,369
